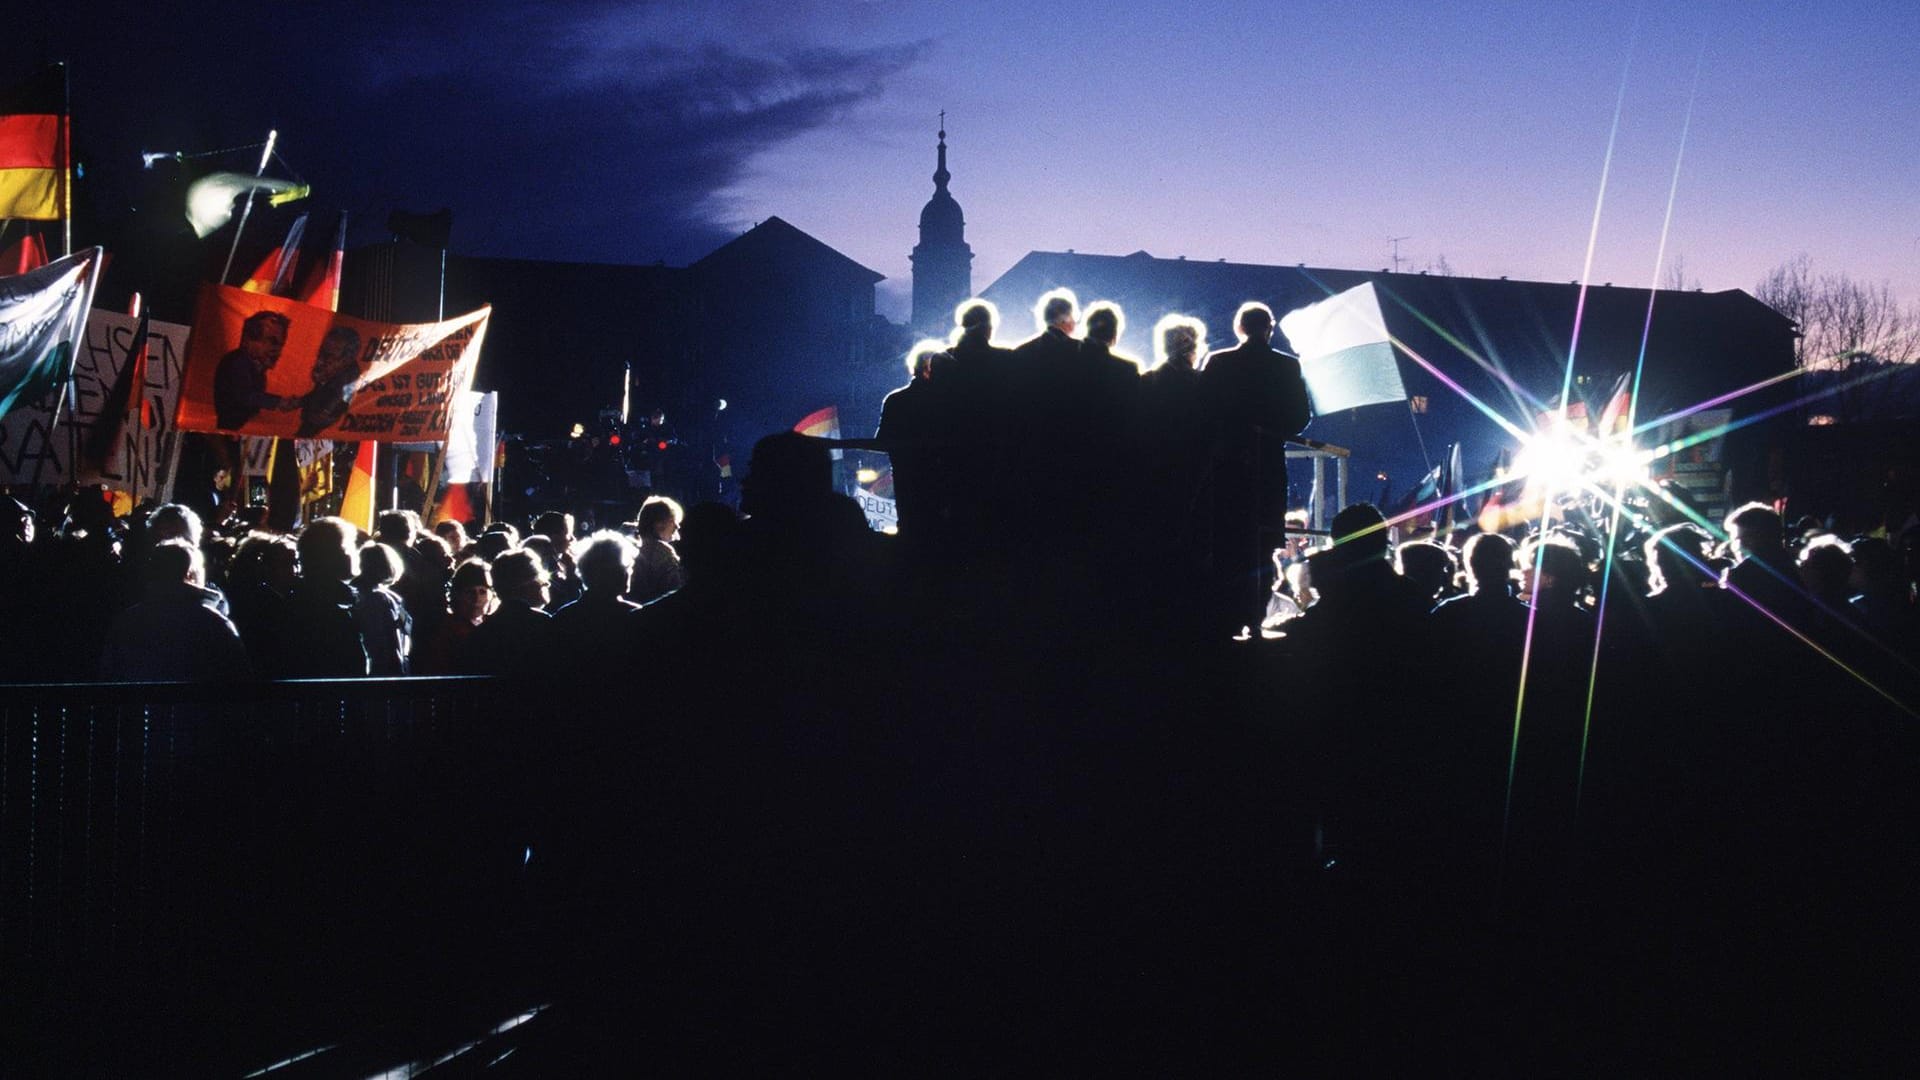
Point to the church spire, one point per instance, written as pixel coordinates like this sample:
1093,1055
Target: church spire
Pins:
941,175
942,261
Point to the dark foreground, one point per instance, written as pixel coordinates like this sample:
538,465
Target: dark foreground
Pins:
979,846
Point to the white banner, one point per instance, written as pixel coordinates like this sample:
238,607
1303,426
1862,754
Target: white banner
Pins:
470,425
883,515
43,315
34,452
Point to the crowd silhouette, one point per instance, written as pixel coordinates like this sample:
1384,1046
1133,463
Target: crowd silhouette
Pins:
1087,716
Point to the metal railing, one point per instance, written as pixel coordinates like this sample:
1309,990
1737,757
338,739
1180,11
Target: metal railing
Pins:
272,852
105,787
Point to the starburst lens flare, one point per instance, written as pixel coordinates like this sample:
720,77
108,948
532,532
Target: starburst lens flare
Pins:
1555,460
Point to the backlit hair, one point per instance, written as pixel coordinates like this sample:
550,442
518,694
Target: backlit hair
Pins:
655,510
976,312
605,560
1055,305
1250,308
923,352
1174,325
1104,322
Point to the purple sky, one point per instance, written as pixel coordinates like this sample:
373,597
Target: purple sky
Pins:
1478,131
1250,132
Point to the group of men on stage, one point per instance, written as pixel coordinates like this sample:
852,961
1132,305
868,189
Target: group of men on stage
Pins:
1064,449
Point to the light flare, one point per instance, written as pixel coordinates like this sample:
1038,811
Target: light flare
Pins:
1622,465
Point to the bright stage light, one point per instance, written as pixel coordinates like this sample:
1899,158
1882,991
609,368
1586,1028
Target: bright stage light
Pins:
1553,459
1621,466
867,476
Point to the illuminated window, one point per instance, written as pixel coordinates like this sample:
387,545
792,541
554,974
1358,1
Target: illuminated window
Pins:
1419,403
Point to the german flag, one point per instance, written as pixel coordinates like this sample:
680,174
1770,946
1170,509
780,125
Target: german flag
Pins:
821,423
323,287
34,148
274,275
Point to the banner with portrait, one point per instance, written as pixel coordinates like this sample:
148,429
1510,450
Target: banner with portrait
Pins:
267,365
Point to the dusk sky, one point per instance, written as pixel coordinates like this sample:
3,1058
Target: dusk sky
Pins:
637,132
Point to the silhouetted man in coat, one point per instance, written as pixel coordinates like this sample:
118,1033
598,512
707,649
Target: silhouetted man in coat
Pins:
1257,399
983,402
1040,402
916,424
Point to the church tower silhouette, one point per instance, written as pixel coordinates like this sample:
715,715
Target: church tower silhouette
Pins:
942,261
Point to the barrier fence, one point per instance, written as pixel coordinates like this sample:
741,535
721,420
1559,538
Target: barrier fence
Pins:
278,852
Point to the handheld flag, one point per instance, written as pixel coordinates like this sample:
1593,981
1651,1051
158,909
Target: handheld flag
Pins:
323,290
1346,354
1552,418
36,148
27,253
357,505
274,275
125,405
1428,489
45,316
455,504
821,424
1613,415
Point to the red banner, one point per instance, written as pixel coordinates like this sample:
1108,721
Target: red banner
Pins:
267,365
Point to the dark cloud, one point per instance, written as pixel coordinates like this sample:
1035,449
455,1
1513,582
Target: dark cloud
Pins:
615,164
588,130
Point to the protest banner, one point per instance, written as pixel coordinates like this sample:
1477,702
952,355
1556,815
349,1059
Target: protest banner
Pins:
883,515
468,458
43,314
35,452
267,365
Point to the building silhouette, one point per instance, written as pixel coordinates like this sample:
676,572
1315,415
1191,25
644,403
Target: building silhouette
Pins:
774,322
942,261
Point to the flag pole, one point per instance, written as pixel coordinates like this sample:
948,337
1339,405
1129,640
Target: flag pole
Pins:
66,159
435,461
266,155
493,481
1414,418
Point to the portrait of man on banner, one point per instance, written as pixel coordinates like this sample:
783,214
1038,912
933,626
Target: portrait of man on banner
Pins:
271,366
240,382
335,377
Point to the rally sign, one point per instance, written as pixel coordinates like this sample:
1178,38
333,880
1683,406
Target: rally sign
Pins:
36,451
469,456
267,365
883,514
313,458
